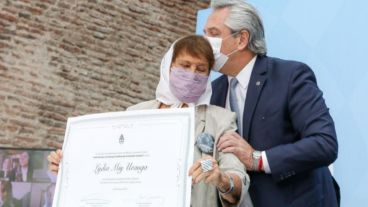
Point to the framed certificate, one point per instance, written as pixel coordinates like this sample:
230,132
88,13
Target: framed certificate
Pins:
130,159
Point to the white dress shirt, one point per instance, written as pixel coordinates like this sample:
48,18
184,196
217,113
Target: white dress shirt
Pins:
241,89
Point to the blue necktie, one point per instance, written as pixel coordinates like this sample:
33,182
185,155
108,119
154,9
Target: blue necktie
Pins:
234,103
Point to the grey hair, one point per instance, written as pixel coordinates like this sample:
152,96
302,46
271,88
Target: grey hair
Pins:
244,16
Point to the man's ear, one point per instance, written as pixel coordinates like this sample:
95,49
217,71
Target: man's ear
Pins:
244,40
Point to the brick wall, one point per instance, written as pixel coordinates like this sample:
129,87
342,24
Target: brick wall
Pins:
62,58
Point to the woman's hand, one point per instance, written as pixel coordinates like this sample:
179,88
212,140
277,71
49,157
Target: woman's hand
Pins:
54,160
217,178
213,176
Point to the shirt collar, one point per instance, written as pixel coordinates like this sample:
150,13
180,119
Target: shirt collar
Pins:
243,76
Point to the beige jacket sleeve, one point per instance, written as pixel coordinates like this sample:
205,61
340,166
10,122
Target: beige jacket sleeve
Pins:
152,104
222,121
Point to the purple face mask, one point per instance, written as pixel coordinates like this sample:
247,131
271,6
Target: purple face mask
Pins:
187,86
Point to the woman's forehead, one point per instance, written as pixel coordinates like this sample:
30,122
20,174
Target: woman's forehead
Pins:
185,56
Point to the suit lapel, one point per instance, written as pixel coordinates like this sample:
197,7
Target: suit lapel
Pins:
219,91
256,84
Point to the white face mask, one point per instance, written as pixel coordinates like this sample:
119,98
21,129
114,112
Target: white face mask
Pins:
220,58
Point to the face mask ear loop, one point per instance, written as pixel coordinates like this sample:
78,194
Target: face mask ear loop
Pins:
233,52
230,35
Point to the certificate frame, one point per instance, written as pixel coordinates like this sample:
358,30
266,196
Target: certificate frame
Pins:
138,125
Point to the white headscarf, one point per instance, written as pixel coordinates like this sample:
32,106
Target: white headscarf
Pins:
163,92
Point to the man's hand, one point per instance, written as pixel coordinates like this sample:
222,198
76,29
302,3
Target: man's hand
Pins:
232,142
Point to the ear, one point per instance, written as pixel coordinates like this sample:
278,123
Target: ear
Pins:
244,40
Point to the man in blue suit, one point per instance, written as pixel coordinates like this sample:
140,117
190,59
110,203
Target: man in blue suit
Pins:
286,136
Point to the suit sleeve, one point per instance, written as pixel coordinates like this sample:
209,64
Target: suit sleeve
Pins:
309,115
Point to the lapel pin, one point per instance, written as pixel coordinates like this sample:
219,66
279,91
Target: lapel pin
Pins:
258,83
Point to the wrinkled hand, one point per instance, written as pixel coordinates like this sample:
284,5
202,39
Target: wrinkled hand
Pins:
210,177
232,142
54,159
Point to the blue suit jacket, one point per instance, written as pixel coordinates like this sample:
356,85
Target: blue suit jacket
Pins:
286,115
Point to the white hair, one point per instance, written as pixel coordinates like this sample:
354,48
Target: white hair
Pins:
244,16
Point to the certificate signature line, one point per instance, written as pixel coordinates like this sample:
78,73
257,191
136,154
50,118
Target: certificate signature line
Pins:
121,182
120,179
119,156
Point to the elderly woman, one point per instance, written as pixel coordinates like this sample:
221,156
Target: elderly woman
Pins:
184,82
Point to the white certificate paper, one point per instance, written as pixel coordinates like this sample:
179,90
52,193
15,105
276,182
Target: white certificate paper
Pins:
127,159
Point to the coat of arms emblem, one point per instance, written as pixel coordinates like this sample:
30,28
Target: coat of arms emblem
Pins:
121,139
